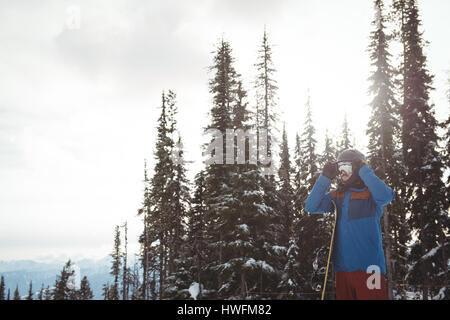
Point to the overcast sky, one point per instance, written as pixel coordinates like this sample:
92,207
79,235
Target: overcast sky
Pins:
81,85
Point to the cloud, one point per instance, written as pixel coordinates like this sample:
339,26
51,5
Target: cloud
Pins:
138,45
250,11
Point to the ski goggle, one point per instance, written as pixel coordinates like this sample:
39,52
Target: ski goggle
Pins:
345,166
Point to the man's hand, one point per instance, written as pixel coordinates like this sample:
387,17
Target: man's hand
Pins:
358,164
330,170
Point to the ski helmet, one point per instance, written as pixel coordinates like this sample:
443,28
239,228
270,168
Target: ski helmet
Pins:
350,155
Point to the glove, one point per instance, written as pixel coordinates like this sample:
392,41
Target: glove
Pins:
358,164
330,170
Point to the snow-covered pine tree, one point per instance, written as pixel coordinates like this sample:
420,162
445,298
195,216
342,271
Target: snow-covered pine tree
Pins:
219,199
135,288
115,265
2,288
146,239
309,170
196,236
292,280
125,269
266,87
179,278
426,190
267,116
446,127
105,291
159,207
30,292
16,293
288,255
312,228
85,292
162,201
446,152
329,151
344,143
300,196
62,290
329,154
47,293
40,295
178,188
233,198
285,193
384,154
300,190
252,254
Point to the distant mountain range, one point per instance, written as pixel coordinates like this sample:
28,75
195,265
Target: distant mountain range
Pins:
21,272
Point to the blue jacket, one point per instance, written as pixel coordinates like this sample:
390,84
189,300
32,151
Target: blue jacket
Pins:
358,240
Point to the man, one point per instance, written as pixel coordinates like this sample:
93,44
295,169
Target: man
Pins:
358,251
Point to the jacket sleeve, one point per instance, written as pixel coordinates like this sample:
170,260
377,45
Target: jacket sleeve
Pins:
318,201
381,193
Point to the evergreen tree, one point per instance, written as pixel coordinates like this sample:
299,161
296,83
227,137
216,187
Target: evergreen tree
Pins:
115,267
41,293
161,213
223,87
146,239
266,87
290,277
306,156
286,194
384,151
301,192
2,288
308,143
135,285
179,278
178,188
446,127
446,151
426,191
253,246
267,116
219,198
30,292
48,294
125,269
329,152
345,142
311,228
300,196
166,199
63,290
106,291
292,280
85,292
16,293
197,232
234,204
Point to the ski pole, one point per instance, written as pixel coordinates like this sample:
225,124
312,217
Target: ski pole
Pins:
331,249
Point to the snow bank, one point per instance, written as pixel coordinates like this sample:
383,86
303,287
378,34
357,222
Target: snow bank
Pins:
194,289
